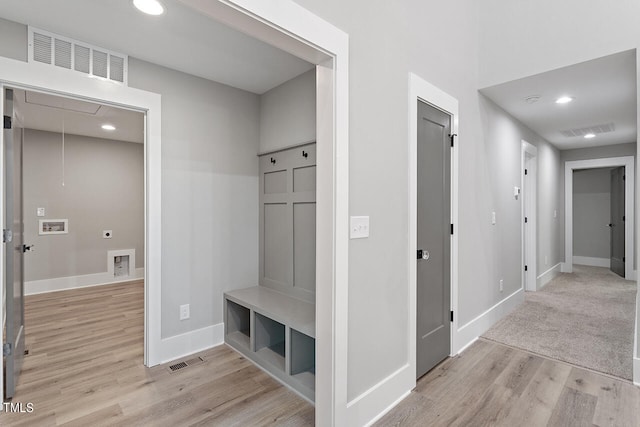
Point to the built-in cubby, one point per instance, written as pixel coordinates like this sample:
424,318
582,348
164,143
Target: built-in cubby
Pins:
273,324
238,324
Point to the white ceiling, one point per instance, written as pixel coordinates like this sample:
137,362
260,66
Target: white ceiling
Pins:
604,92
51,113
181,39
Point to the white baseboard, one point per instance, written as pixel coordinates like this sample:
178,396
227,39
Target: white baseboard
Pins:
594,262
74,282
548,276
478,326
182,345
636,371
364,410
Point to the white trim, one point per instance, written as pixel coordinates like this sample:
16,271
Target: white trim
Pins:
629,163
191,342
375,402
595,262
636,371
419,89
131,253
75,282
44,78
478,326
549,275
290,27
529,207
389,408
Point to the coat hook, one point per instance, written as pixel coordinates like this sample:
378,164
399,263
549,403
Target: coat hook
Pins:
273,160
305,154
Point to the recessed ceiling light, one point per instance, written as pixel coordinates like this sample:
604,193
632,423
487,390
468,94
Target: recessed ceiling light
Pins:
108,127
564,100
590,135
150,7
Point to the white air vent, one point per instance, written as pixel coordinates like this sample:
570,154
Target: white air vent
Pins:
63,52
570,133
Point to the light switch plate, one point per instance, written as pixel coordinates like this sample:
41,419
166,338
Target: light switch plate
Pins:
40,212
359,227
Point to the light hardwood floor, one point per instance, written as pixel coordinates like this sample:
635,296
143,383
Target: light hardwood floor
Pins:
85,369
490,384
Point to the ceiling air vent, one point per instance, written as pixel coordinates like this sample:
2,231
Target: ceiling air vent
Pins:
570,133
63,52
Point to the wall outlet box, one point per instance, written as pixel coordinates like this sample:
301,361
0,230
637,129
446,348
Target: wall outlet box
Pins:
40,212
107,234
184,312
359,227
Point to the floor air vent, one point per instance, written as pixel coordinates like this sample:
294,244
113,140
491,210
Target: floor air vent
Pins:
181,365
73,55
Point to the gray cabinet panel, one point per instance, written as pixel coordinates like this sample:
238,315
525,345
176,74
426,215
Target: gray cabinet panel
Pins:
277,251
287,221
275,182
304,246
304,179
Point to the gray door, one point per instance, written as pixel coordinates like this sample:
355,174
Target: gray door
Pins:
434,234
617,221
14,250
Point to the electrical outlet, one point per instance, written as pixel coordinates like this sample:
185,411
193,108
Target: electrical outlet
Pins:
40,211
501,285
184,312
493,218
555,213
107,234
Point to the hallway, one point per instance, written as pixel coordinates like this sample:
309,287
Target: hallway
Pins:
585,318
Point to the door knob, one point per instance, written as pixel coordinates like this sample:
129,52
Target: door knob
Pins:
422,254
26,248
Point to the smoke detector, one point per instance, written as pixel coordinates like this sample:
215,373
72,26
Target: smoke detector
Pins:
532,99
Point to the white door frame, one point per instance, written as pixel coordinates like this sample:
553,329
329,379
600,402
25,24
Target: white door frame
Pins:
421,90
629,201
43,78
529,207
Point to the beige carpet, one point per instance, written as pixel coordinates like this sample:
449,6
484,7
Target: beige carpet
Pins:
584,318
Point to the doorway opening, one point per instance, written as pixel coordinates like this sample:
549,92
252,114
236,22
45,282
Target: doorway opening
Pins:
628,212
78,195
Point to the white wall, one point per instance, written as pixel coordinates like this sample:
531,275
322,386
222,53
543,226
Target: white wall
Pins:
288,113
103,190
592,213
503,134
209,192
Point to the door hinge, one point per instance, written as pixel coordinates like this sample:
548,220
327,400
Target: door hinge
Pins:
526,219
6,349
623,259
452,315
526,268
451,228
526,171
623,217
452,136
7,236
624,177
7,122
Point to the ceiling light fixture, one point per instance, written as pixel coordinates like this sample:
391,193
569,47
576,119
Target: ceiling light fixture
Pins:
150,7
108,127
590,135
564,100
